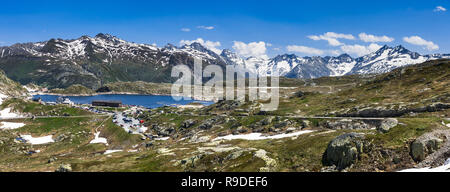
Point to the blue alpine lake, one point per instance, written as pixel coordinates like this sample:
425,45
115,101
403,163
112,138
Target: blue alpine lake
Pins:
148,101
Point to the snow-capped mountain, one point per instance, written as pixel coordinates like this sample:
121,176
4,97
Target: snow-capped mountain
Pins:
382,61
387,59
340,65
93,61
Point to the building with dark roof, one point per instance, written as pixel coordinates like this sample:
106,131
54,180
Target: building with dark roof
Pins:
107,103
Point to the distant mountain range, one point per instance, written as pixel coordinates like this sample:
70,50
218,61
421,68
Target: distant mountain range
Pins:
95,61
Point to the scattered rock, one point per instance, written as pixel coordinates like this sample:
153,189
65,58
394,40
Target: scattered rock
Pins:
197,139
208,124
51,160
64,168
291,129
299,94
348,124
383,112
61,137
281,124
271,164
234,155
147,145
222,134
329,169
188,123
267,121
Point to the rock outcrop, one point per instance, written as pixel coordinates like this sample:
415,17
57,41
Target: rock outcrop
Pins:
344,150
383,125
428,144
382,112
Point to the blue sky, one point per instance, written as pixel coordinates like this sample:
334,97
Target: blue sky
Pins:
251,28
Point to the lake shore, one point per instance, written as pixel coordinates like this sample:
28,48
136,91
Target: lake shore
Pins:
116,93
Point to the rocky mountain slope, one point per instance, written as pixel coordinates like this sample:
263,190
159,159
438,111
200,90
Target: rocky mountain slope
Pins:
9,88
95,61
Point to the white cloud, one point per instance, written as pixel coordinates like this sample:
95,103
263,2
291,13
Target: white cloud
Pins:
360,50
373,39
332,38
416,40
305,50
255,49
277,49
335,52
205,27
185,29
439,9
211,45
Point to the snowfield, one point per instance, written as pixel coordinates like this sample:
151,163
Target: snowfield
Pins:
258,136
99,139
443,168
10,125
6,113
38,140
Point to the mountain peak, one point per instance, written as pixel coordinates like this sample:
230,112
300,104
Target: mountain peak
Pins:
345,55
105,36
385,47
401,49
226,52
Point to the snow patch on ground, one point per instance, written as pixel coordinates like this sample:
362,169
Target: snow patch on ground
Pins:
162,139
38,140
2,97
99,139
112,151
29,89
443,168
10,125
259,136
6,113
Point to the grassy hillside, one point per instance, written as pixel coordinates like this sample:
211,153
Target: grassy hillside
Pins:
412,86
139,87
73,89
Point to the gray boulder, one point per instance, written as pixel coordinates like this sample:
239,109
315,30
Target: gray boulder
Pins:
428,144
188,123
344,151
267,121
387,124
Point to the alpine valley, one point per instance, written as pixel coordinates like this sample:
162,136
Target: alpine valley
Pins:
96,61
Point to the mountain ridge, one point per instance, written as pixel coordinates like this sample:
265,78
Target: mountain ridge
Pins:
95,61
